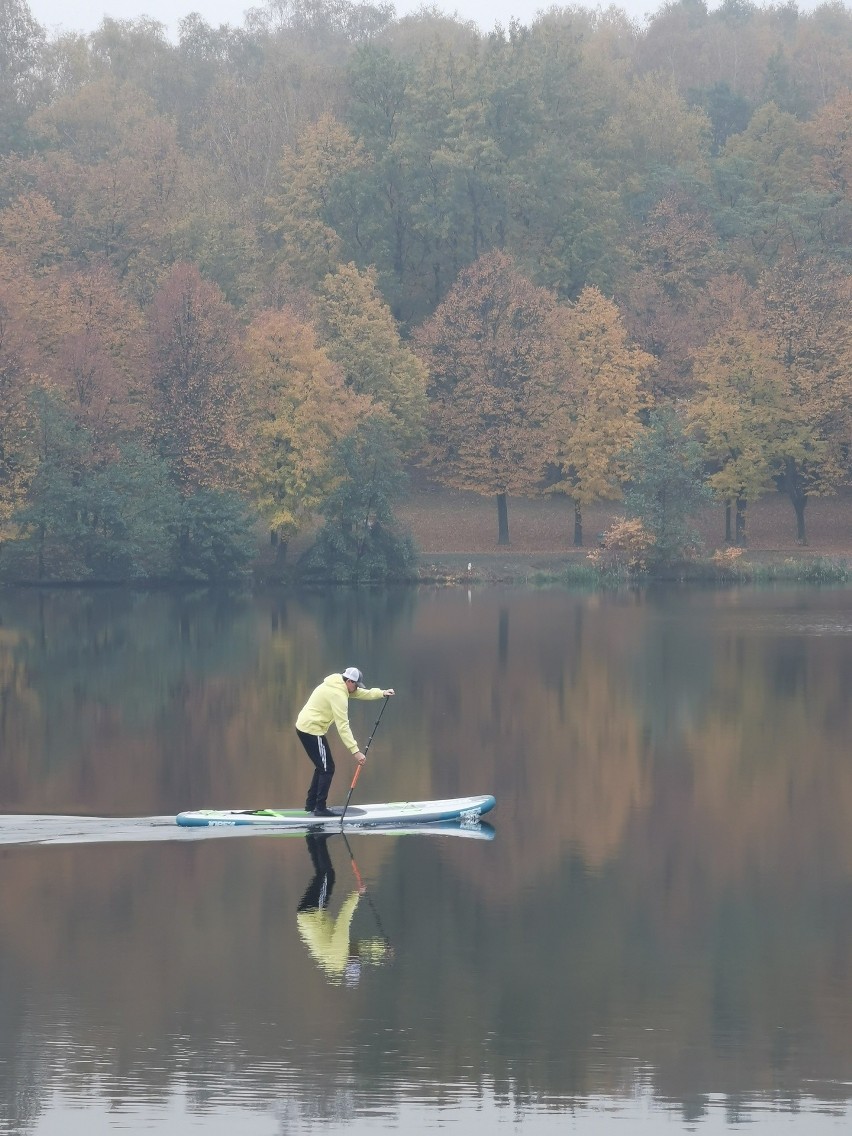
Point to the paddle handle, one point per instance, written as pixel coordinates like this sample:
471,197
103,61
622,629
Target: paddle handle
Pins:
358,769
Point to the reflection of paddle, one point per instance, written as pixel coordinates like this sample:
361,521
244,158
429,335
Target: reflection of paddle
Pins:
362,890
361,765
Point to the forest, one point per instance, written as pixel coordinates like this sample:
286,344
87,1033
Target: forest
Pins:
251,281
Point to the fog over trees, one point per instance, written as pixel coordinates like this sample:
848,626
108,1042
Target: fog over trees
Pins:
492,257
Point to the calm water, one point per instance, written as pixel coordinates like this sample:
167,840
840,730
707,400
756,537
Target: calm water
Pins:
657,936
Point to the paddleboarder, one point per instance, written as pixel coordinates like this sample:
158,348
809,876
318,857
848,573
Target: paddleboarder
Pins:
329,703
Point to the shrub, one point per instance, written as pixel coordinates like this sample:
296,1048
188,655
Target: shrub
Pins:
625,547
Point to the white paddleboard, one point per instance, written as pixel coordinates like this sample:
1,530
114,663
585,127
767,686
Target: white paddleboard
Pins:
466,810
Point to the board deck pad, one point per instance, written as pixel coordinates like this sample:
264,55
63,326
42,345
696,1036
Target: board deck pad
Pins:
466,810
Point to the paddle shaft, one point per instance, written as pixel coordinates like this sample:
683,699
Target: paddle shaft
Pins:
360,765
364,890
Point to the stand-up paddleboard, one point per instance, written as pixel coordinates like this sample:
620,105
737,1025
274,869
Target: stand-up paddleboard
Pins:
31,828
466,810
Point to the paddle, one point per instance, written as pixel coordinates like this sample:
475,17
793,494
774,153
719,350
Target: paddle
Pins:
364,890
361,766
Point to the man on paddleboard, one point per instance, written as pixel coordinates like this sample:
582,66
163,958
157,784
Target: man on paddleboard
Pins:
329,703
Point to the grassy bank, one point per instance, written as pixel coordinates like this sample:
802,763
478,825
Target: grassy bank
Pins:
536,570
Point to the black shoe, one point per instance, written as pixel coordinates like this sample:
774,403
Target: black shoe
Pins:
324,813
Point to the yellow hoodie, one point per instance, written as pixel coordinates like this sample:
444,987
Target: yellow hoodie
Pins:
330,703
328,940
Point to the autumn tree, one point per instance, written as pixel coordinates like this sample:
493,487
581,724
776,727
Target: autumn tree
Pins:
550,94
301,409
195,396
17,458
831,134
655,134
98,355
31,229
114,171
22,43
599,389
831,129
361,336
489,349
304,209
666,299
764,181
805,312
51,520
741,417
121,519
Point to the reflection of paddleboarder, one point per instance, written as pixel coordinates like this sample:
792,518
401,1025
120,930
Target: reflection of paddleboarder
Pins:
327,937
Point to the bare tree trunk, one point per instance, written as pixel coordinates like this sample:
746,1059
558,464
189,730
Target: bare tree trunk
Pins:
280,545
728,536
741,523
799,503
794,486
502,519
578,525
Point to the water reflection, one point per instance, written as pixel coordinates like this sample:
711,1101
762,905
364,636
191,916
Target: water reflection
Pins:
663,925
329,937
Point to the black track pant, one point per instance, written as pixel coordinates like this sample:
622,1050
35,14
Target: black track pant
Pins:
318,894
316,747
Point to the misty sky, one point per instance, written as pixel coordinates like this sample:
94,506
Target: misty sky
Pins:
86,15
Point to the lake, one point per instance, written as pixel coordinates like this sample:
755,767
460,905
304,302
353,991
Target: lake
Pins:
654,929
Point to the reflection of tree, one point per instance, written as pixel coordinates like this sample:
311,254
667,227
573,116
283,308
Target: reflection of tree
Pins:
668,887
25,1067
549,722
99,677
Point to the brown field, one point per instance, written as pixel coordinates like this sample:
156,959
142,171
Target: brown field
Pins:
452,527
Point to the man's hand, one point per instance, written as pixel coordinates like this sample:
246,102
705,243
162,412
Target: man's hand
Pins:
389,693
360,757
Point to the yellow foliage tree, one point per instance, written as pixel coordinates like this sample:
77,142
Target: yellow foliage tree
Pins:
362,337
743,417
831,131
301,211
599,389
300,409
804,311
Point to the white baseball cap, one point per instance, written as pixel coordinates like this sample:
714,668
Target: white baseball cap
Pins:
354,675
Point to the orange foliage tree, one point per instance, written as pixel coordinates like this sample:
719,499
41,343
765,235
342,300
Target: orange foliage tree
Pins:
98,355
195,396
490,351
17,458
